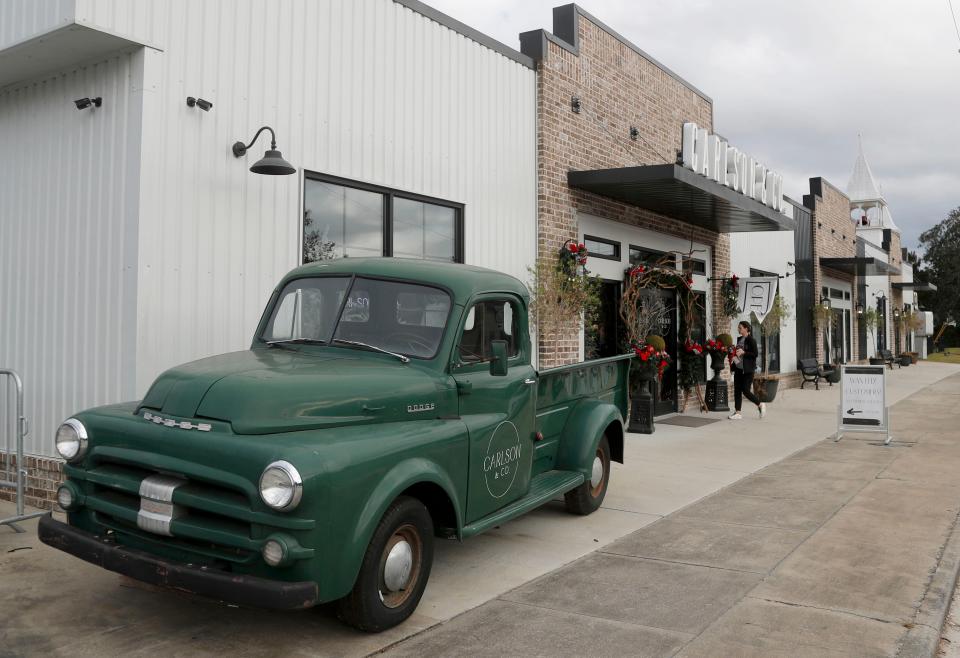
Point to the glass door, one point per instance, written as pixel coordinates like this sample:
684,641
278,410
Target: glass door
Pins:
665,401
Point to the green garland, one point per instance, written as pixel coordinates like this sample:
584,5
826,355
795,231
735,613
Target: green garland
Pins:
730,295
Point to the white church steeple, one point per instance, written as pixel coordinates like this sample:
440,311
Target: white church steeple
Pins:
866,198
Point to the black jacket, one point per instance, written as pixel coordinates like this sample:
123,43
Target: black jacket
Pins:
749,358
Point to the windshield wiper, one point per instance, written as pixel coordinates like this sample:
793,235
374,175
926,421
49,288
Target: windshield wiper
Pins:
371,347
296,341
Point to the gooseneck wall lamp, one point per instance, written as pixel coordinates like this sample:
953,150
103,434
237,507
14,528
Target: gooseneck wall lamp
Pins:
272,162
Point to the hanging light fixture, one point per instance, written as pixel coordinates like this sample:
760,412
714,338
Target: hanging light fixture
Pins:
272,162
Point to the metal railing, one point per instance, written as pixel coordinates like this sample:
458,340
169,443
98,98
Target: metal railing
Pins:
15,475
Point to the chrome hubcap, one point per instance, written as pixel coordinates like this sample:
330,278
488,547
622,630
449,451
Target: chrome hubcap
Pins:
397,567
596,477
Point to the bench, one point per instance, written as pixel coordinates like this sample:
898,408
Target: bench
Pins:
813,372
887,357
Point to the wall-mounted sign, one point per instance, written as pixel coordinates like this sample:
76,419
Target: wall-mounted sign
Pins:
756,294
863,402
713,157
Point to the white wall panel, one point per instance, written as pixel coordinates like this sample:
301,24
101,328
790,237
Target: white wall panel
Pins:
367,90
24,19
68,209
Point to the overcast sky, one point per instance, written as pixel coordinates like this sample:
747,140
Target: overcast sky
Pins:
794,82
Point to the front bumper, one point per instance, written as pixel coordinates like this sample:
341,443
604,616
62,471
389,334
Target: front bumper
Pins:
243,590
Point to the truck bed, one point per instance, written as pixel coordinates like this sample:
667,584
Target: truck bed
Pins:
560,389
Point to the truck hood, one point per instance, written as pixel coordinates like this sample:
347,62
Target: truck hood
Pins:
266,391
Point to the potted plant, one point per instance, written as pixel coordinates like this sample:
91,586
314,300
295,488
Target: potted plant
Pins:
766,385
871,318
652,360
720,349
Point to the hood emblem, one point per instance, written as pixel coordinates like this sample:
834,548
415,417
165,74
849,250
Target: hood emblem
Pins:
417,408
179,424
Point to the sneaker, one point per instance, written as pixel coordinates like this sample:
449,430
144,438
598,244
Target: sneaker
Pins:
763,409
735,416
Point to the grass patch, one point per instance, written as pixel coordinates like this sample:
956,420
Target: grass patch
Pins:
952,355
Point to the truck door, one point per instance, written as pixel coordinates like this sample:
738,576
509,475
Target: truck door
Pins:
498,410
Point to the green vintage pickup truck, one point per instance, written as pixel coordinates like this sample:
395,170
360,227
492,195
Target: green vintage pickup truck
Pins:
383,403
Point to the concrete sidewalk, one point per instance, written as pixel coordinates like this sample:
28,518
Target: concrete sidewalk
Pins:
842,549
53,603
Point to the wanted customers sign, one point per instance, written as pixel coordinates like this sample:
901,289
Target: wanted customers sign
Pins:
863,404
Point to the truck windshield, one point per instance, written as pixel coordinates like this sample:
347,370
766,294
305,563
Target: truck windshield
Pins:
405,318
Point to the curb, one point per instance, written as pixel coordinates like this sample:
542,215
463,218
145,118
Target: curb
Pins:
923,637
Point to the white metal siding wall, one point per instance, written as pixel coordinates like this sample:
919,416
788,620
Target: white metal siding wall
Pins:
23,19
770,252
367,90
68,241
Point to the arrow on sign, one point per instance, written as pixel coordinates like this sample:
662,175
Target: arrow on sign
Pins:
851,411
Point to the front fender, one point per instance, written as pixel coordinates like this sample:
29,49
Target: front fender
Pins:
401,477
582,433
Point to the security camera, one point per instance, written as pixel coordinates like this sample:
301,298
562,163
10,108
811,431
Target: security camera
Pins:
84,103
199,102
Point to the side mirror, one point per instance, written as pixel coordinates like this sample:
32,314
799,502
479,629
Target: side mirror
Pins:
498,362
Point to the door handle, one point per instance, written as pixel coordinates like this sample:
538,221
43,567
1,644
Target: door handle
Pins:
529,381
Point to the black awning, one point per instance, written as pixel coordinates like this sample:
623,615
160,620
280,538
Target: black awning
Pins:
860,266
916,286
677,192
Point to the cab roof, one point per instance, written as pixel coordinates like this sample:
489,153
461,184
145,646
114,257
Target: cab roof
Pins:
463,280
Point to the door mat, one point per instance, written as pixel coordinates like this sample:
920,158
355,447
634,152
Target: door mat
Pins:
688,421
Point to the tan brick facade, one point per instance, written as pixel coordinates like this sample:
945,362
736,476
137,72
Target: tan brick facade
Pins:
833,235
619,88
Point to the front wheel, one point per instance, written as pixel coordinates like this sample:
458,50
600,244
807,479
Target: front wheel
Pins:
588,497
395,569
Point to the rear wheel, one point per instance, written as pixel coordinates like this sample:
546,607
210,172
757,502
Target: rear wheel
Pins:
395,569
588,497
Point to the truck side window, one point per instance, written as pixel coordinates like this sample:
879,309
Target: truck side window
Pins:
488,321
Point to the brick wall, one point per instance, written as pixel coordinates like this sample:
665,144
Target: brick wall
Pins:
618,87
44,475
833,235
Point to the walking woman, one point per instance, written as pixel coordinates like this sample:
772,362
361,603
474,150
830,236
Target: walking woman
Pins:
744,365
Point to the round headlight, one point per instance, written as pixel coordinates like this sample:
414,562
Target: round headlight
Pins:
72,440
65,497
273,552
281,486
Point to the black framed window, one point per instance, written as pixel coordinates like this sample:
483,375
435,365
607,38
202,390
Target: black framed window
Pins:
646,257
344,218
602,248
694,265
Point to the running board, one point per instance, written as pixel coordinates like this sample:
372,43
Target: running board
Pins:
542,489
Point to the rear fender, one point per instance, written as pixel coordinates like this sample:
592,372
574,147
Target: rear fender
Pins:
587,424
346,565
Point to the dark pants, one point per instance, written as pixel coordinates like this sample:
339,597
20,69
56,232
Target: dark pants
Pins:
743,388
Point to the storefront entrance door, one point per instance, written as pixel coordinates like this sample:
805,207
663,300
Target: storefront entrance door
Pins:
665,401
605,337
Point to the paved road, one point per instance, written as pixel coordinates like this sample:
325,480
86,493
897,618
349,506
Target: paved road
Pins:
52,603
832,552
